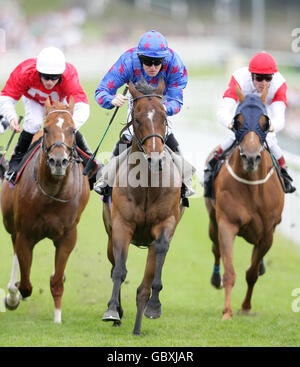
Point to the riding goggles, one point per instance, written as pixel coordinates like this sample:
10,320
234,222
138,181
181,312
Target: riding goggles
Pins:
261,77
149,61
50,76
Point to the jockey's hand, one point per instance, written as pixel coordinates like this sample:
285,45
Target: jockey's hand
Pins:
230,126
271,128
119,100
14,125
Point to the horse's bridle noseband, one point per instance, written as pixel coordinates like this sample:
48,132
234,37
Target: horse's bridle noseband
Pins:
58,144
142,141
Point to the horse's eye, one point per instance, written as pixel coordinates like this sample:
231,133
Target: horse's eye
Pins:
137,122
45,130
238,122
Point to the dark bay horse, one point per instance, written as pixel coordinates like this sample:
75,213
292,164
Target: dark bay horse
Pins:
249,198
46,202
145,212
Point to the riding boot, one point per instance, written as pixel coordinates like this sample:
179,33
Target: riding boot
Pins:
289,188
21,148
101,186
87,153
209,172
186,189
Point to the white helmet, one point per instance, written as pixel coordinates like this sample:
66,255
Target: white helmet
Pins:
51,60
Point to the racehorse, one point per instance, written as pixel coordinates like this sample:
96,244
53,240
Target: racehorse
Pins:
143,214
248,198
47,201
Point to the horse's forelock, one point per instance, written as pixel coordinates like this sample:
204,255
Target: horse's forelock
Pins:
143,87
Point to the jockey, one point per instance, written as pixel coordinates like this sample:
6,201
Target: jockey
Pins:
150,60
36,79
262,69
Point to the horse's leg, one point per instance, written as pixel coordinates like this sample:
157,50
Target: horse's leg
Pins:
13,297
144,290
121,236
215,279
23,248
252,273
64,246
227,233
110,256
163,232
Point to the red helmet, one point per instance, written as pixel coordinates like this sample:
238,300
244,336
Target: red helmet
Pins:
262,63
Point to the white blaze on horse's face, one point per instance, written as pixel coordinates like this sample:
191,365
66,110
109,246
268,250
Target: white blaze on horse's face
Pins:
60,124
150,116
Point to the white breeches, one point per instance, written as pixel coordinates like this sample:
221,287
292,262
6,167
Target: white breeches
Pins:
34,115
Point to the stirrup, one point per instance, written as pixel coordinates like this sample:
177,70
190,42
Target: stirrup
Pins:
10,176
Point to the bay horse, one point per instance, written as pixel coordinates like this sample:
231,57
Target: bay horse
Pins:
47,202
248,198
143,214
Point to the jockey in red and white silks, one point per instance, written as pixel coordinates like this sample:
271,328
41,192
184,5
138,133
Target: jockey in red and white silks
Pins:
36,79
262,70
25,81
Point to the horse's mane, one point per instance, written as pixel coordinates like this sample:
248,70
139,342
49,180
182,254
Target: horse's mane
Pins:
143,87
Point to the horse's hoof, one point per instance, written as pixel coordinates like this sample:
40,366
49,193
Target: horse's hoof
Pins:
13,305
152,313
136,332
216,281
227,316
110,315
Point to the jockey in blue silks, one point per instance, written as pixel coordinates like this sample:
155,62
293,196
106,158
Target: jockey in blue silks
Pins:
150,60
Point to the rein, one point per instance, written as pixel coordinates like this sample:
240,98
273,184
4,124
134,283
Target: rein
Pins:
45,193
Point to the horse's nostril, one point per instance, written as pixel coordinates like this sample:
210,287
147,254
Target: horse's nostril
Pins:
51,162
258,158
65,162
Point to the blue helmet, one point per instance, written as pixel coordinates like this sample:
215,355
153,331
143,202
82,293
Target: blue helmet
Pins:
153,44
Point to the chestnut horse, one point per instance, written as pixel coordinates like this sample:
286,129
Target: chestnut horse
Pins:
145,212
248,198
47,202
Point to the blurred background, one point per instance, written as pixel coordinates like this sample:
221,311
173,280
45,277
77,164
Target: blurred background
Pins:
213,37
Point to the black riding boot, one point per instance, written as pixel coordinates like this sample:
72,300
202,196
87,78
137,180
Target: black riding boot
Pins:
289,188
102,188
186,190
97,166
209,177
21,148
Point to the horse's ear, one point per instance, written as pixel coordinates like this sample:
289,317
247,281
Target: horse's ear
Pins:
161,87
71,104
264,94
239,94
47,105
135,93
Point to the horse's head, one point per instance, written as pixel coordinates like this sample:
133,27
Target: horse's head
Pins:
58,140
149,122
251,125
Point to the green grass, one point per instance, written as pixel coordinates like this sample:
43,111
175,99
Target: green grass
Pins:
191,307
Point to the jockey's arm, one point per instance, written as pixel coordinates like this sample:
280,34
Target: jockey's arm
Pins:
80,114
225,111
7,109
276,113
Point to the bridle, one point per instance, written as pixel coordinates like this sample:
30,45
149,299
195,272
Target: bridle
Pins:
58,144
140,142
